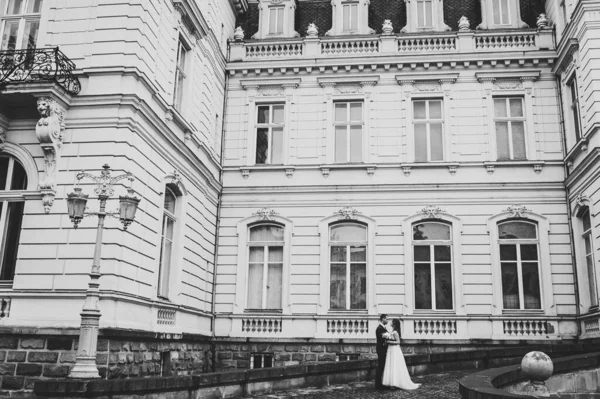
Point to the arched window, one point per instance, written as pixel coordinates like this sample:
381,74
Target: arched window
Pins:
169,222
348,266
265,267
586,223
519,263
432,258
12,179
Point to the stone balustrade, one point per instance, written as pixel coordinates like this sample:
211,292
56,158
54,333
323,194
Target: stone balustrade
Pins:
414,44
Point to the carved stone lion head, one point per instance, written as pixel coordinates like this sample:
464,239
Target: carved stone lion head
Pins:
45,106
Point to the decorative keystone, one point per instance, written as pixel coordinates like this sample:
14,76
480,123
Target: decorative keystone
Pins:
517,211
432,212
347,213
490,169
537,168
289,172
371,171
265,214
406,170
245,173
325,172
452,169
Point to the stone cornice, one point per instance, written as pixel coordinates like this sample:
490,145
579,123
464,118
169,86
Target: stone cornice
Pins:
524,75
192,16
565,56
364,80
448,77
256,83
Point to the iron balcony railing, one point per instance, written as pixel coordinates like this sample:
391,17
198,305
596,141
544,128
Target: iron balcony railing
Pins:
38,65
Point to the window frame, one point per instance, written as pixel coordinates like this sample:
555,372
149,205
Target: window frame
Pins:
432,263
270,126
350,5
348,263
22,19
181,73
501,22
431,15
163,285
509,119
349,123
575,109
265,266
279,18
428,122
589,260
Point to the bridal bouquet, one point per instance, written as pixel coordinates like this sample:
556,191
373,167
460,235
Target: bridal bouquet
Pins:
387,335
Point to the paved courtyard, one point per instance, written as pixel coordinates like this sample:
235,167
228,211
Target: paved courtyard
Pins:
434,386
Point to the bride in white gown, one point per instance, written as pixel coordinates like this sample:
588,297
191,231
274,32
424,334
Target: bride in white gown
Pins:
395,373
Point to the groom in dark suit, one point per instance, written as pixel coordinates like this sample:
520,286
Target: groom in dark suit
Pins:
381,350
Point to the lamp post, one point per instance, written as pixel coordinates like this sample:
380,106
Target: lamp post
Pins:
85,363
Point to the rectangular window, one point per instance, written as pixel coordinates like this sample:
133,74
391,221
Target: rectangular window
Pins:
348,132
509,119
180,75
520,276
424,13
348,277
275,20
261,361
501,12
350,21
428,123
20,24
269,134
575,108
589,256
166,244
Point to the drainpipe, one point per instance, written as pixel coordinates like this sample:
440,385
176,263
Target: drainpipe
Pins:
569,215
218,222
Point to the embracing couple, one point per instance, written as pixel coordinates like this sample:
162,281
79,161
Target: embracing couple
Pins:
391,367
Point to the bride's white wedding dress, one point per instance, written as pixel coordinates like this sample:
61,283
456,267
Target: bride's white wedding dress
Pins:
395,373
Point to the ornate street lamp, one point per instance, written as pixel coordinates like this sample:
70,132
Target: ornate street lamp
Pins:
85,362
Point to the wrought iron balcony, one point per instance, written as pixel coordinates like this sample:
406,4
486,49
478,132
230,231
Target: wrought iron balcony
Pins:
38,65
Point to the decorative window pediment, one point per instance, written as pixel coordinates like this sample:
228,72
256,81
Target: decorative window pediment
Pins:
276,19
424,15
501,14
191,16
350,17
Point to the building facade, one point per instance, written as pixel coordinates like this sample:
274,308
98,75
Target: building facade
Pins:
303,166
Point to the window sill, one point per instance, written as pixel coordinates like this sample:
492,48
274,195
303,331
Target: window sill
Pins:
523,312
419,312
259,312
6,285
347,312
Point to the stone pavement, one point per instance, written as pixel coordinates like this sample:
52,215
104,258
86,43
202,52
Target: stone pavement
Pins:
434,386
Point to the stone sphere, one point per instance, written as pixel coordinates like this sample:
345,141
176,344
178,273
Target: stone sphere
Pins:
537,366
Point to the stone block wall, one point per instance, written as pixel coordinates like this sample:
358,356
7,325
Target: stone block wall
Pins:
28,358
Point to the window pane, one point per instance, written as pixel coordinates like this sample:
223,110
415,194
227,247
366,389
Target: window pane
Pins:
9,36
346,23
358,287
348,232
268,361
358,254
355,143
30,35
518,137
428,13
529,252
257,254
341,144
420,14
435,109
275,254
419,110
14,217
278,114
508,252
588,244
263,114
356,112
431,231
502,142
3,172
516,107
436,142
340,112
255,286
272,20
338,254
500,107
169,228
262,145
266,233
277,142
354,17
34,6
165,267
443,286
587,223
19,177
510,286
337,287
420,143
422,287
422,253
592,280
274,275
504,6
531,286
170,200
14,7
442,253
497,12
515,230
280,20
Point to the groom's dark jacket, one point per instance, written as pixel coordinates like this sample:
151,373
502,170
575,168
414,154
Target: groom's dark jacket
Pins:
381,347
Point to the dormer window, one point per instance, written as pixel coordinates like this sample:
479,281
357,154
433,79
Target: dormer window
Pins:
276,18
501,14
350,23
424,15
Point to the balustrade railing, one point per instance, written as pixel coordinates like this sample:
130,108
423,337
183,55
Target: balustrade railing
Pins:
435,327
166,317
591,326
4,308
38,65
527,328
262,325
414,44
517,40
347,327
350,47
285,49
